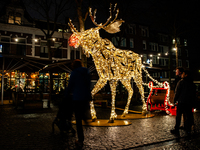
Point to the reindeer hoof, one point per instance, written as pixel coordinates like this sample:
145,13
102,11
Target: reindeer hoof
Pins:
144,113
123,115
111,121
94,119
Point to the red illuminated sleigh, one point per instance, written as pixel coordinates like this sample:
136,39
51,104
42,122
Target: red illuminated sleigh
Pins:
158,99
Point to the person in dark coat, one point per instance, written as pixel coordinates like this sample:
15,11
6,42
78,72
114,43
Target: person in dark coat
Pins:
79,87
179,72
185,98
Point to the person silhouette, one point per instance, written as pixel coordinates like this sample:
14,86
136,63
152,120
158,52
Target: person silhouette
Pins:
79,87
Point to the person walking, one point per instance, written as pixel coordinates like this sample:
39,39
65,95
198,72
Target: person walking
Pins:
79,87
184,97
179,72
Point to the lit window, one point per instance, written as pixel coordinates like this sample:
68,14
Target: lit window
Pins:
0,48
11,19
18,20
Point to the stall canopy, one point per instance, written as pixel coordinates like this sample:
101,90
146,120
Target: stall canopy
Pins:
30,64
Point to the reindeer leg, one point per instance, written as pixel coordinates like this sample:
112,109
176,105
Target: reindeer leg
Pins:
127,85
113,115
98,86
138,81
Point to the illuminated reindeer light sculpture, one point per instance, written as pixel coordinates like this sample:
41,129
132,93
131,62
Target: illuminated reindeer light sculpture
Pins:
112,64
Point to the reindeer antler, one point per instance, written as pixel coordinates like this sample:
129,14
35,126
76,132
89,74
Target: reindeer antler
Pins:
72,26
93,17
113,26
116,15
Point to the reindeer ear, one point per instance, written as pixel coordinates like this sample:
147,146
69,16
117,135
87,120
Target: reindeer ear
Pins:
114,27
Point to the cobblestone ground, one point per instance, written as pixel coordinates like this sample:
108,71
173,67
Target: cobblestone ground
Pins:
32,129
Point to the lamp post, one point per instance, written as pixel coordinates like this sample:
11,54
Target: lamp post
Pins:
176,49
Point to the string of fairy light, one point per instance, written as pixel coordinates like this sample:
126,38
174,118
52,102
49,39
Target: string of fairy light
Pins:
112,64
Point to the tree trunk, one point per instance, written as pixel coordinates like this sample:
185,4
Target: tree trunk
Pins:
82,28
50,72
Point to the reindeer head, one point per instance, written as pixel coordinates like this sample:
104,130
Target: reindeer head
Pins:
89,37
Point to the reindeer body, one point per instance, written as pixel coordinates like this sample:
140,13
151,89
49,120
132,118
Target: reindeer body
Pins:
112,64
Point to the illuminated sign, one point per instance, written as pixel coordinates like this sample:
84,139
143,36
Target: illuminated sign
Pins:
0,48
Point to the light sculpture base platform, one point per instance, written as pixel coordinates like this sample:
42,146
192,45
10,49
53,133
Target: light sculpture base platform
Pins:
104,123
134,116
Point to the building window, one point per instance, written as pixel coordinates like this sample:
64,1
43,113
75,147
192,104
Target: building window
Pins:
144,31
144,58
187,64
18,20
163,74
5,39
58,50
154,60
144,45
21,49
72,55
155,74
153,46
163,38
174,62
23,41
15,18
123,42
11,19
131,43
178,40
163,49
0,48
163,61
185,42
186,51
44,50
57,45
115,40
77,54
180,63
179,51
131,29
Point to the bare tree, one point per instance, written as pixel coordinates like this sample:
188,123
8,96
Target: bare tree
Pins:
51,12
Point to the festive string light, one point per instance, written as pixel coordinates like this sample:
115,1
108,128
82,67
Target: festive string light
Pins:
112,64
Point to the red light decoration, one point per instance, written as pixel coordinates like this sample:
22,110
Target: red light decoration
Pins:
74,40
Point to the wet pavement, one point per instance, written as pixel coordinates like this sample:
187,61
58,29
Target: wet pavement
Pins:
32,129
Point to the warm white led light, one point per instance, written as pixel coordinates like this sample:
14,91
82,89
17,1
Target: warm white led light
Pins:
112,64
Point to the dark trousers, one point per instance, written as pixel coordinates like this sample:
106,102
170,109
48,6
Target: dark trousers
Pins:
80,110
185,109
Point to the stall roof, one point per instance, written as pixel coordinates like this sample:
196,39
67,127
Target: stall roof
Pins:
30,64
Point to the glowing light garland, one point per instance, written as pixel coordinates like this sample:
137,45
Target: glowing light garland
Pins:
112,64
